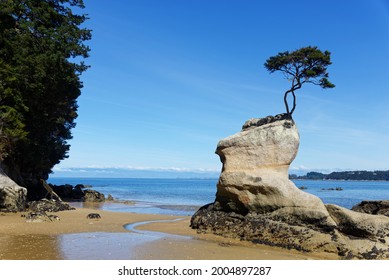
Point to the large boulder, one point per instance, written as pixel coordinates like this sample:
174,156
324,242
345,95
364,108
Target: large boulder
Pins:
254,176
63,191
93,196
12,196
256,201
79,193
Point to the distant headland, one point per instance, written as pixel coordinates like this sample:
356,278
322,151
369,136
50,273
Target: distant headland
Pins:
345,175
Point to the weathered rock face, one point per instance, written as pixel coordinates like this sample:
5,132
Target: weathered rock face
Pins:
256,201
359,224
254,176
357,236
12,196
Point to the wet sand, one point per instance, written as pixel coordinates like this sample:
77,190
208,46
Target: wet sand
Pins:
213,247
76,237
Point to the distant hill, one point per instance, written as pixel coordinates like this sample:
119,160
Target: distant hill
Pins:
346,175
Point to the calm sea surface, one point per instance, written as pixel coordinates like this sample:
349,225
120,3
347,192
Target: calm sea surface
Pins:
184,196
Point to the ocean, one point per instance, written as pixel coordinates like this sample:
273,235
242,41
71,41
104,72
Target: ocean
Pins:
184,196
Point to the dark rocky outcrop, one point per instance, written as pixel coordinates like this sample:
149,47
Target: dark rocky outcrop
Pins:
46,205
40,217
261,229
93,196
37,210
63,191
13,198
78,192
332,189
374,207
252,123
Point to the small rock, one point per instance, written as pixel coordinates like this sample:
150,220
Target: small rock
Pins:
54,217
93,216
36,217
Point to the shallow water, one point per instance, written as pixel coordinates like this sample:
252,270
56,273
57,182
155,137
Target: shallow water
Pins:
184,196
111,246
102,245
352,193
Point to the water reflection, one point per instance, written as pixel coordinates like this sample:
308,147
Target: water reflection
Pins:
111,246
82,246
90,205
139,207
102,245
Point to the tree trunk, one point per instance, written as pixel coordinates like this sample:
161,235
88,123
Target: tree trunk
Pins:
294,103
286,103
50,190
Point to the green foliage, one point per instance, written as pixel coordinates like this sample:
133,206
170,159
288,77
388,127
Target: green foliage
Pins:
315,176
41,43
305,65
11,129
348,175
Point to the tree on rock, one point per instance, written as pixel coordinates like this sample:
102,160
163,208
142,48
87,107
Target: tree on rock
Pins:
305,65
41,60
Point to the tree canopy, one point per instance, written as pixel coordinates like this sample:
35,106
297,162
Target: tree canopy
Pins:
357,175
41,52
305,65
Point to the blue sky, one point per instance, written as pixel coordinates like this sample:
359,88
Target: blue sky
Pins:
169,79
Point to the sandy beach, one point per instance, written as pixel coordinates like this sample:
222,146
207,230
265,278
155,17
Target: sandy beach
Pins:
76,237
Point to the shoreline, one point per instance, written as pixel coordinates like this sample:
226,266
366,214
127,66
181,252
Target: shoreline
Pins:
339,180
76,237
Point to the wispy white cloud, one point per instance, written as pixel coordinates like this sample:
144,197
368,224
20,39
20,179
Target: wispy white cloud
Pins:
143,168
305,169
134,171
